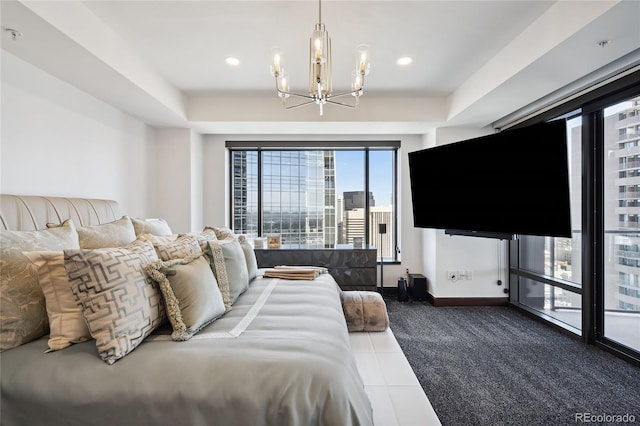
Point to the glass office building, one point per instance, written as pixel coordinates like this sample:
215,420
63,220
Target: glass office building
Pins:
298,195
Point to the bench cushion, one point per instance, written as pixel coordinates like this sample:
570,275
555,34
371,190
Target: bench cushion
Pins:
364,311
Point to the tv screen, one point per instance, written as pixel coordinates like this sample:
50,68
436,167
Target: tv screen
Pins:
515,182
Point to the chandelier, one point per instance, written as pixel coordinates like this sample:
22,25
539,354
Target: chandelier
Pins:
320,84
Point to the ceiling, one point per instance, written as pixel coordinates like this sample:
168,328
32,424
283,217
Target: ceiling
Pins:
474,62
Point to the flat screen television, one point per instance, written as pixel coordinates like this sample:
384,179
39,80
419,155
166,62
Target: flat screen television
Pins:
515,182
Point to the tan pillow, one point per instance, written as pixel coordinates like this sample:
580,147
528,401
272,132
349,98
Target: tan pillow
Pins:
120,303
113,234
66,322
181,247
158,227
191,294
222,232
158,239
207,234
23,314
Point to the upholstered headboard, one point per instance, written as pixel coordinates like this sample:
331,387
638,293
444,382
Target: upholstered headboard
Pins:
30,212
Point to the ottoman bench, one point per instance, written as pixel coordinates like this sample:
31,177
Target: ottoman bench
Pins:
364,310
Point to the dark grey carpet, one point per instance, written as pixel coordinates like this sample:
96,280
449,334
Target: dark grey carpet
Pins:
496,366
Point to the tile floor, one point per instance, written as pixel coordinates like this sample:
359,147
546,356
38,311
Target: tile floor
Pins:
394,390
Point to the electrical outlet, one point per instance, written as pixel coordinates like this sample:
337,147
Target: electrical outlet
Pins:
453,275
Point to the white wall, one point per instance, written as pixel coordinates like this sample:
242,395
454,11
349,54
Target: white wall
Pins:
215,181
173,203
57,140
60,141
485,258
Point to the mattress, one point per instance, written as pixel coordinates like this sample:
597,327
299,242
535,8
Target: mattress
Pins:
281,356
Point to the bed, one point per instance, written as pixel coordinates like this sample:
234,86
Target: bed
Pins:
281,356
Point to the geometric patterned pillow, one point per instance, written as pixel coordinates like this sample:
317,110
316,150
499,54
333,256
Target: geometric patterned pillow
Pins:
222,232
23,314
191,294
183,246
208,234
119,301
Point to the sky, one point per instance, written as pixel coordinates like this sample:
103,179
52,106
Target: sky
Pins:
350,174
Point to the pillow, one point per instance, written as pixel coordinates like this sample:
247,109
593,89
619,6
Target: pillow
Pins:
112,234
228,264
23,314
182,246
249,256
65,317
191,294
222,232
158,239
120,303
207,234
158,227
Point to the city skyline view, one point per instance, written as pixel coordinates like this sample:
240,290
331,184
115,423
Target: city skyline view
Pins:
315,196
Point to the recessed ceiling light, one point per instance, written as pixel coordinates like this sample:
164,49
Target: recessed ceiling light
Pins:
405,60
230,60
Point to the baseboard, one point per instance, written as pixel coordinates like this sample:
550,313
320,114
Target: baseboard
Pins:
468,301
455,301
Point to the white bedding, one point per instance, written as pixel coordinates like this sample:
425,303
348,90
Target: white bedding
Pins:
281,356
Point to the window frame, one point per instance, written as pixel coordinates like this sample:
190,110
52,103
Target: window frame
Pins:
365,146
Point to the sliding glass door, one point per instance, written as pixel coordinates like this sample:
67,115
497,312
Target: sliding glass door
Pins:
549,280
621,293
590,284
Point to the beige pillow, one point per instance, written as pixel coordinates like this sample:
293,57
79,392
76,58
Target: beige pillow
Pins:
120,303
23,314
181,247
222,232
207,234
158,227
191,294
66,322
158,239
113,234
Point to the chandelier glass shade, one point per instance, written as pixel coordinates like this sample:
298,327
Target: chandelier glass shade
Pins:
320,90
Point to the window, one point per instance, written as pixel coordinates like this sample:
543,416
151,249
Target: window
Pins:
621,225
319,197
590,284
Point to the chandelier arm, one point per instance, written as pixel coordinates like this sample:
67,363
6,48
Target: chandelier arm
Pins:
297,95
341,104
345,94
283,93
299,105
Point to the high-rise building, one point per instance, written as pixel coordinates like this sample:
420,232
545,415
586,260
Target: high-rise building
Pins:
298,195
622,208
382,215
330,213
353,225
245,199
355,200
340,219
